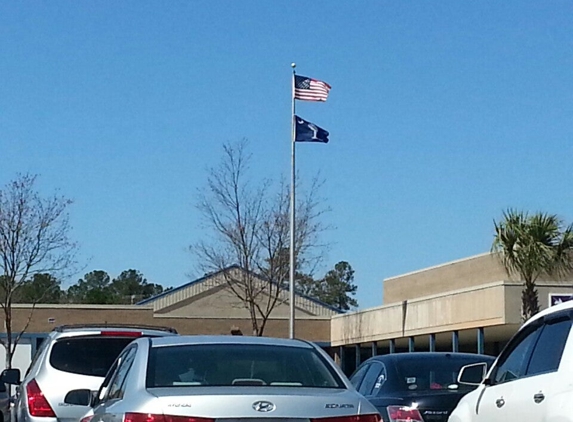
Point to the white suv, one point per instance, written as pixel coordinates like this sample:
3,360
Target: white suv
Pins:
72,356
531,380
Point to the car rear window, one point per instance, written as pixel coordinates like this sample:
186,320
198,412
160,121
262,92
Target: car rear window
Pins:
239,365
433,374
87,355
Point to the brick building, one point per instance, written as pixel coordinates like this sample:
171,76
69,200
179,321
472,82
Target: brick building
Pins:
203,306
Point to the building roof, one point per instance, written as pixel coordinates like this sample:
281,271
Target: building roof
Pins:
191,287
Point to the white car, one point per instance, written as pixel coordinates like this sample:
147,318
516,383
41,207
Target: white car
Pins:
224,379
531,380
71,355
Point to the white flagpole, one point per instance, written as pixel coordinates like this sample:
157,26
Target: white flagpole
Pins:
292,212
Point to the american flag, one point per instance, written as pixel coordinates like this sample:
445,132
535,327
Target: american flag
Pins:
309,89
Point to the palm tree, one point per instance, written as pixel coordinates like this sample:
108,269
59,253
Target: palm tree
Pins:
531,245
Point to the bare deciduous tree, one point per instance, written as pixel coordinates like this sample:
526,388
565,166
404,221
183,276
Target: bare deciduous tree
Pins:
34,239
250,228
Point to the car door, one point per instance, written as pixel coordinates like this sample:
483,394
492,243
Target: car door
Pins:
541,382
526,375
498,394
113,388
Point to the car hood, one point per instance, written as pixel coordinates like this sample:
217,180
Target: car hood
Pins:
260,402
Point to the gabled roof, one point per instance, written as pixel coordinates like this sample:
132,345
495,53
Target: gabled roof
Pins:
212,275
184,286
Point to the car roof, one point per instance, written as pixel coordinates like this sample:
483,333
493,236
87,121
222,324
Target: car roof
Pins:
431,355
567,305
90,329
226,339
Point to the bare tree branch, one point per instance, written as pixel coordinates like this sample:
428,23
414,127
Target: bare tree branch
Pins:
250,228
33,239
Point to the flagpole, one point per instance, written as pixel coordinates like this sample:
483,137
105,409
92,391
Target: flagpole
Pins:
292,211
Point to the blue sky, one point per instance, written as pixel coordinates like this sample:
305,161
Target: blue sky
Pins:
441,115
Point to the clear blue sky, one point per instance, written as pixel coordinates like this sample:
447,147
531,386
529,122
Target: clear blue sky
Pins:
442,114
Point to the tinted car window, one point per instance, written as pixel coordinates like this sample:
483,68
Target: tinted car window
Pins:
358,376
247,365
549,348
370,378
381,380
102,392
432,374
513,361
116,387
43,345
87,355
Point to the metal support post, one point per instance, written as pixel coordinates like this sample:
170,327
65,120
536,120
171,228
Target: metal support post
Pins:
455,341
480,340
357,356
411,344
432,342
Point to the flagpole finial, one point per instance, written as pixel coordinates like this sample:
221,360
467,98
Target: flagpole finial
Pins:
293,65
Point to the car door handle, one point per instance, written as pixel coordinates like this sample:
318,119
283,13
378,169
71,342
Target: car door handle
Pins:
500,402
539,397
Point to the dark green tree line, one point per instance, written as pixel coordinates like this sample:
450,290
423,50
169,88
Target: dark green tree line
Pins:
97,287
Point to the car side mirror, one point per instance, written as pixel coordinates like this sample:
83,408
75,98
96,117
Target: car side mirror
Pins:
82,397
472,374
10,376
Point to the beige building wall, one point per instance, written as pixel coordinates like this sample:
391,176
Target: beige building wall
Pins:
311,329
457,310
425,302
44,318
220,301
545,288
461,274
206,306
465,273
211,296
460,296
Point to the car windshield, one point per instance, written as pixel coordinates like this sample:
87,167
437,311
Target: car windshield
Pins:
432,374
239,365
87,355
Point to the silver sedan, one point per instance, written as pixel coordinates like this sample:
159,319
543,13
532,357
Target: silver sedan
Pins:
224,379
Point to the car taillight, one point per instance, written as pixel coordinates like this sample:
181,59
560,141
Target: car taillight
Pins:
37,403
404,414
375,417
150,417
87,418
121,333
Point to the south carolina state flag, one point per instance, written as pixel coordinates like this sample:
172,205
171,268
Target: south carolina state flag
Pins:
309,132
